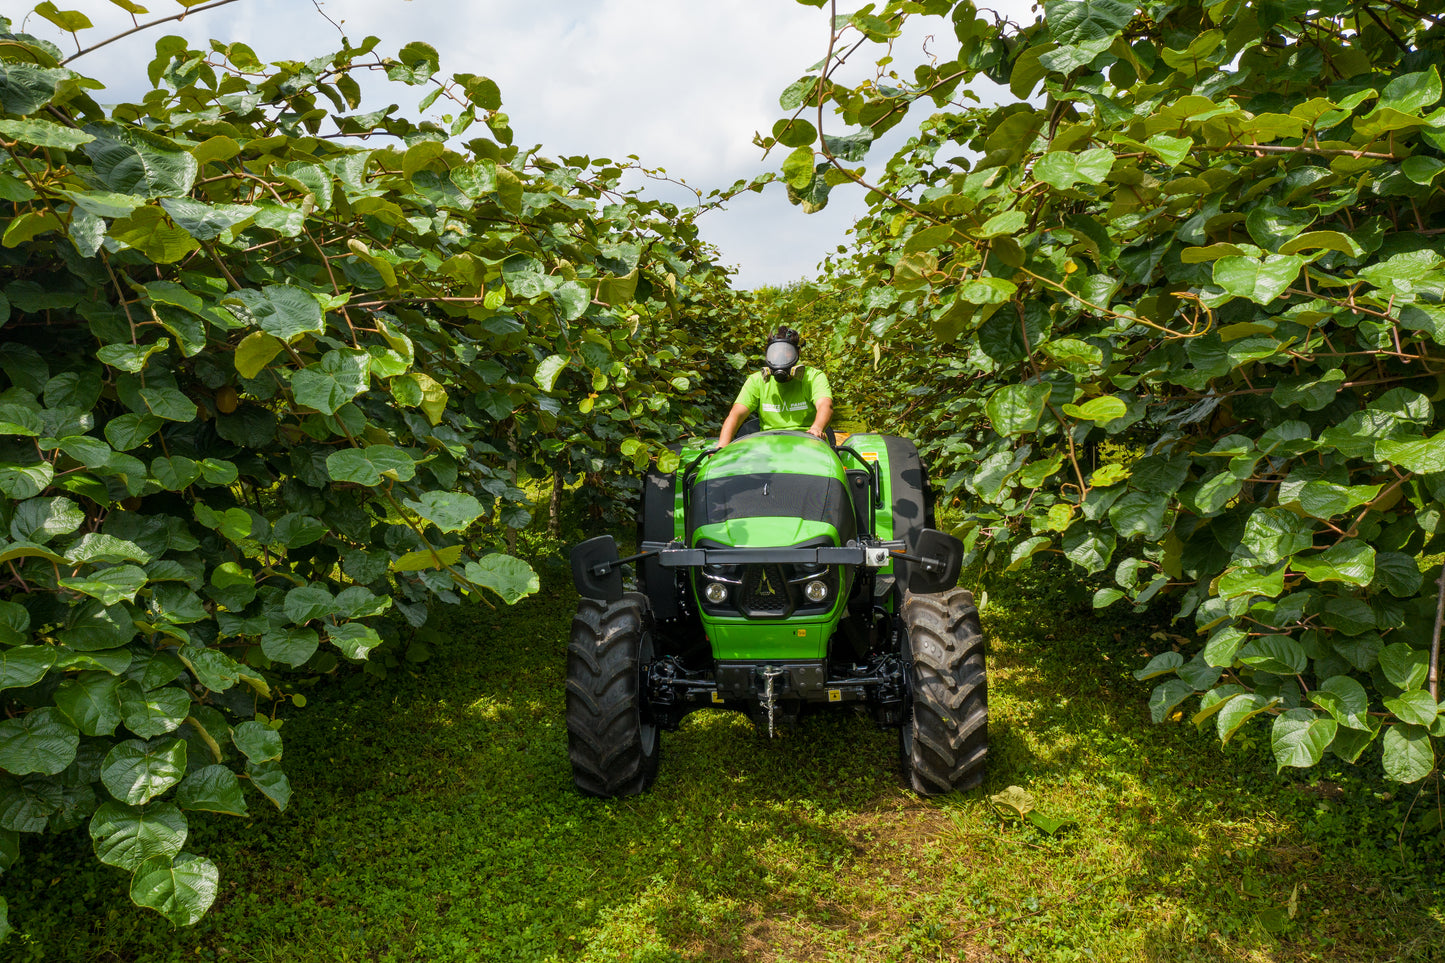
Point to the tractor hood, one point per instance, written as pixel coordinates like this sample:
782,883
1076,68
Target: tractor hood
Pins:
771,489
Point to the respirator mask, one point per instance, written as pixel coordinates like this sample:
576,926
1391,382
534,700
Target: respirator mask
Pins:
780,358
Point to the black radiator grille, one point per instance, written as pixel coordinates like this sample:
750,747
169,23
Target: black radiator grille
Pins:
764,589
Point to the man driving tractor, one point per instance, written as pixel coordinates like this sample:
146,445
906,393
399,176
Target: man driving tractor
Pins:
785,394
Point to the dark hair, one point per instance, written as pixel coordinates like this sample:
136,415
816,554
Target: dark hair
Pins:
785,333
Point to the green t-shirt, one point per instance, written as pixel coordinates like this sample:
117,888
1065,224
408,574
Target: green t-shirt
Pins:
785,404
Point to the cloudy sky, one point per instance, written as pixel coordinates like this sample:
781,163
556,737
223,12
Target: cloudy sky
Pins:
683,84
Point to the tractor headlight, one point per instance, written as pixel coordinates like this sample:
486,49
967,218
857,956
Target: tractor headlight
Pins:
716,593
816,591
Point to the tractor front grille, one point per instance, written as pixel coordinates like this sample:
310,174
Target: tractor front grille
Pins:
764,591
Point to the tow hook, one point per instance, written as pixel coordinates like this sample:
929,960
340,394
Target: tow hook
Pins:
770,696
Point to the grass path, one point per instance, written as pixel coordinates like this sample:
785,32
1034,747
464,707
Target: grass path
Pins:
433,819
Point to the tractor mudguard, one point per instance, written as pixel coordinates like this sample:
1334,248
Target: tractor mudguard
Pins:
907,503
655,524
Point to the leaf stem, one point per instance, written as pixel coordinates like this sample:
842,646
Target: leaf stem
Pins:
1434,676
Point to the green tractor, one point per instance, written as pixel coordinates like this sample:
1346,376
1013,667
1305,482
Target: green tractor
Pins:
778,576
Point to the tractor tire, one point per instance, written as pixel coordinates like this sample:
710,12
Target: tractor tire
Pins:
611,742
944,739
655,524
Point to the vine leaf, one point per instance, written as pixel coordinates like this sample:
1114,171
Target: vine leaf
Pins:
180,888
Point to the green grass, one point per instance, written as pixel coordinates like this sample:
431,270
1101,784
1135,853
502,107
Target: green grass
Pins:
434,820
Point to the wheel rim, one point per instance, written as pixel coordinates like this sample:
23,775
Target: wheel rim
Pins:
646,730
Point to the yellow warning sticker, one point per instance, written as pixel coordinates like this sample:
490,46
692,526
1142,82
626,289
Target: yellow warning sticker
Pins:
869,455
835,695
801,633
717,696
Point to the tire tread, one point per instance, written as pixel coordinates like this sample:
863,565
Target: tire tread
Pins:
949,745
605,740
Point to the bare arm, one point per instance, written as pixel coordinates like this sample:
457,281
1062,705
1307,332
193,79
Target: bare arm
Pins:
733,420
825,415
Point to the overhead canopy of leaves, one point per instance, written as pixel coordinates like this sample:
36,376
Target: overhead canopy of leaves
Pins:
1177,313
273,374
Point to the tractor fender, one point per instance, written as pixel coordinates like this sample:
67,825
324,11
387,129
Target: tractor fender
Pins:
907,500
655,523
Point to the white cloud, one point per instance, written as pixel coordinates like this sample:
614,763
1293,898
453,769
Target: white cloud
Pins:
683,84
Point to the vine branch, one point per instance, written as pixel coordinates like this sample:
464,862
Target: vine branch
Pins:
145,26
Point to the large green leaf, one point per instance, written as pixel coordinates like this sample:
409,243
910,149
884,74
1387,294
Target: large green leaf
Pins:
258,741
1409,756
1062,169
43,740
294,530
155,712
27,804
290,645
135,772
255,352
308,602
282,311
1412,92
523,275
25,665
67,20
1274,534
370,466
19,480
1082,29
1138,513
1324,499
130,430
206,222
1398,574
1164,663
1239,710
1424,455
1223,645
1015,409
175,473
448,511
548,370
130,160
424,559
213,789
1260,280
338,378
91,701
1300,737
14,624
1404,665
1166,698
354,639
511,578
1345,700
126,836
1349,744
41,519
1277,654
110,585
1248,581
1351,561
1415,707
268,777
181,889
25,88
1101,411
1088,547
